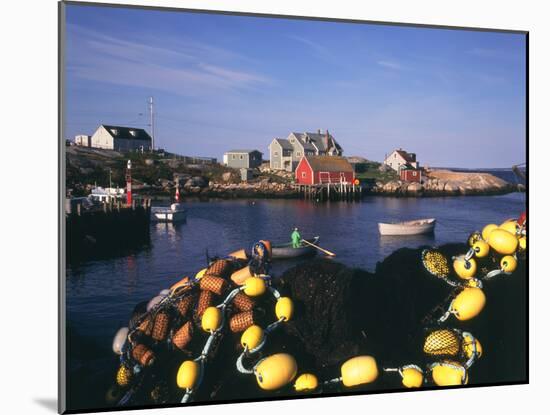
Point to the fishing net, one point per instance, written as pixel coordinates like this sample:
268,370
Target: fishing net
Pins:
183,335
215,284
241,321
219,268
184,305
435,263
160,327
243,302
443,342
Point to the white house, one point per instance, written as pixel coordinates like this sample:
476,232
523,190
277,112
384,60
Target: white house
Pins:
400,158
118,138
83,140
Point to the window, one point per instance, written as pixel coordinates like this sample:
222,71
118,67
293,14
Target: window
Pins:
114,131
298,154
241,157
233,156
275,153
414,173
133,133
303,175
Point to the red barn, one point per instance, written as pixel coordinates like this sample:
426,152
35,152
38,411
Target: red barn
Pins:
410,174
324,169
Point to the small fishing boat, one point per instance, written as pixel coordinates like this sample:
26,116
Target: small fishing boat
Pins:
173,213
283,251
412,227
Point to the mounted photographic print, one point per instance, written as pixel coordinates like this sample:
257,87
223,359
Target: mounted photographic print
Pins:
259,207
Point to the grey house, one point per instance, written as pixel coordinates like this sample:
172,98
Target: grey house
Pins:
247,159
285,154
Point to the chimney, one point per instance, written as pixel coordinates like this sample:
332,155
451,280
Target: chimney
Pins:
326,140
319,131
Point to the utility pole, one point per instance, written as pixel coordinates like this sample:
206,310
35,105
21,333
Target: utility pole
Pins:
152,123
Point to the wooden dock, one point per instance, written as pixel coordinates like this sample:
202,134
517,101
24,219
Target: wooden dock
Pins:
109,229
341,191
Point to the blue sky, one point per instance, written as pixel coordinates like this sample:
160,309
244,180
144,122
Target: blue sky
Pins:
456,98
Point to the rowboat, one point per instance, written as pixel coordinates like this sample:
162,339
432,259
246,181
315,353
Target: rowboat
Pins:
412,227
283,251
174,213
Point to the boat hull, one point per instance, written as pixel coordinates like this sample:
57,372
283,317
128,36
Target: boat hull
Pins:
168,215
407,228
286,251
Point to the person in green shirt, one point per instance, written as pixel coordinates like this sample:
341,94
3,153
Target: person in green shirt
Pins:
296,238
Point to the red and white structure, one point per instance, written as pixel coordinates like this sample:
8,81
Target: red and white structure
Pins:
129,183
323,170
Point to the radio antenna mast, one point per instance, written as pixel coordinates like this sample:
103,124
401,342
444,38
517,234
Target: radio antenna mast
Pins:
152,123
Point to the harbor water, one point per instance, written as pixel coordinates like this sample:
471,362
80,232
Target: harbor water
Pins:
101,294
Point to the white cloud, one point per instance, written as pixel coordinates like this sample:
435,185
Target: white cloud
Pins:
186,67
390,65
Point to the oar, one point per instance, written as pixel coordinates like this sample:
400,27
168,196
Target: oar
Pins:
319,248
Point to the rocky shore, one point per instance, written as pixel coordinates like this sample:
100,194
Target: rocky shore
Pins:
263,189
447,183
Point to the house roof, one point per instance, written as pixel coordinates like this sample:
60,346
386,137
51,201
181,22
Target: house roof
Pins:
284,143
318,139
329,163
408,157
125,132
243,151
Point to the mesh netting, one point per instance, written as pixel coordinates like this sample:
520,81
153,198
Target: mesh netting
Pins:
160,327
206,299
219,268
241,321
435,263
183,335
215,284
184,305
443,342
243,302
143,355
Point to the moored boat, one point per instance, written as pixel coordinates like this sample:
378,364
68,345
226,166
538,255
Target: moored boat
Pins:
412,227
283,251
174,213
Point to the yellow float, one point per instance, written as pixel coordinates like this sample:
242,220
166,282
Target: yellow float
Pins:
412,376
359,370
123,375
211,319
471,345
252,337
254,287
503,241
468,303
306,382
284,308
200,274
188,374
276,371
481,248
522,243
510,226
508,263
465,268
487,231
448,373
